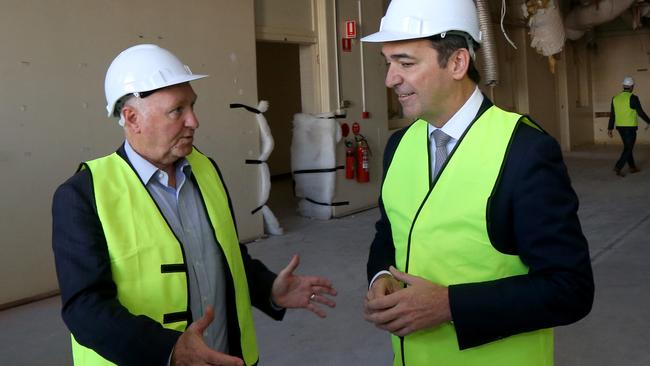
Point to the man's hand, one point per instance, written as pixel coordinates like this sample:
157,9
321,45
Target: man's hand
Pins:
291,291
190,349
609,133
382,286
422,304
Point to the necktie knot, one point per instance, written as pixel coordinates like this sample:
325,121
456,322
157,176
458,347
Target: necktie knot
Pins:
441,139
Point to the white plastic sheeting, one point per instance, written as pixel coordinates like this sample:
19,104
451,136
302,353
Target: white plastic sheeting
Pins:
313,162
271,224
546,28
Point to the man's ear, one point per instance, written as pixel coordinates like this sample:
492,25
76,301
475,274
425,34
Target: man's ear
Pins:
458,63
131,119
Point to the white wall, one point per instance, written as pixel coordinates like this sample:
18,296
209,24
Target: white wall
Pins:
620,54
52,108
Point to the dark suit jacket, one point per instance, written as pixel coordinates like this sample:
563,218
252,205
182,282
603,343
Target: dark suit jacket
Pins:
90,307
531,213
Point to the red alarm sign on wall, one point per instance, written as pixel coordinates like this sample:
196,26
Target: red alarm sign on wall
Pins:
346,44
350,29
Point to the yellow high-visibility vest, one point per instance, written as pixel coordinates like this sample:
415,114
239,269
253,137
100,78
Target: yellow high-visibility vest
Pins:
624,115
441,234
141,245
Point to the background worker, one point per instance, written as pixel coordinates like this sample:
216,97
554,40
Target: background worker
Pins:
149,264
478,252
624,111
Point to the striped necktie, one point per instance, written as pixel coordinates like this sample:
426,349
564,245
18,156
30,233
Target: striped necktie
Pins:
441,140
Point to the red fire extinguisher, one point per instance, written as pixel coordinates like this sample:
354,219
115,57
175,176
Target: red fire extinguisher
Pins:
363,159
349,159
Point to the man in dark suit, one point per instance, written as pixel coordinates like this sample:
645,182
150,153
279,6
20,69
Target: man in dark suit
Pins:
150,268
625,109
478,252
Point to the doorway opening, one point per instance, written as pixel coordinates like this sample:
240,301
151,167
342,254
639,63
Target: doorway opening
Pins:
285,80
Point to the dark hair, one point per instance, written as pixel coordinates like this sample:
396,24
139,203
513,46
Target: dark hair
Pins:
448,45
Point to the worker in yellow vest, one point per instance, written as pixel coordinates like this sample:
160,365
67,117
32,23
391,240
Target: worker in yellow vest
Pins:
624,111
478,252
148,260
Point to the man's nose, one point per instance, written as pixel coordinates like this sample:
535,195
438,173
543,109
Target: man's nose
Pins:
392,77
192,121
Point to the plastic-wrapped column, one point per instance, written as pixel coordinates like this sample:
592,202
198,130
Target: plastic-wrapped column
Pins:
313,147
271,224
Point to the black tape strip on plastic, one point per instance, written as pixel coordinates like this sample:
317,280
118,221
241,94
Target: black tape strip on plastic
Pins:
343,203
334,116
257,209
249,161
308,171
250,109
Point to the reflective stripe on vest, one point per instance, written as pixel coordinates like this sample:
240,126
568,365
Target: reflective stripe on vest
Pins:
449,222
624,115
141,243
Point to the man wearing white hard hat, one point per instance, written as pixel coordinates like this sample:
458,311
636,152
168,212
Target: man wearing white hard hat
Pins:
478,252
150,268
625,109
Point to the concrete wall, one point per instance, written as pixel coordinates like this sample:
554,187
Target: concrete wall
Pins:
579,96
52,107
526,83
374,128
609,68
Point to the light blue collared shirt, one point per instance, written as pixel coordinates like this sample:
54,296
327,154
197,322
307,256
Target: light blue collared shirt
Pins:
184,210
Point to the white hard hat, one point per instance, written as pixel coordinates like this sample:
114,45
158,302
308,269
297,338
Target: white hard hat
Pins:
411,19
143,68
628,81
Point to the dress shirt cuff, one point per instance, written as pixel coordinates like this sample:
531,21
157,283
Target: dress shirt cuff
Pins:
275,306
377,275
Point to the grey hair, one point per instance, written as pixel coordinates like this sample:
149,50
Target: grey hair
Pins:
129,99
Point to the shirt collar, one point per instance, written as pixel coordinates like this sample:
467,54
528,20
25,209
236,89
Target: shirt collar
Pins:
459,122
144,168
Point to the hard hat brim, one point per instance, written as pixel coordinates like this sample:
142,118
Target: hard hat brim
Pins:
391,36
180,80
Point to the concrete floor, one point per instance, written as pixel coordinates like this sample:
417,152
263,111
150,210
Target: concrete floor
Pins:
615,214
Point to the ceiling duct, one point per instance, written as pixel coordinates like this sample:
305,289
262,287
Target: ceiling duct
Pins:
584,18
488,48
